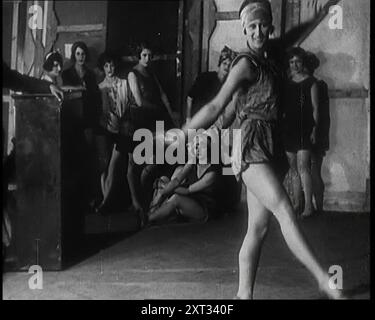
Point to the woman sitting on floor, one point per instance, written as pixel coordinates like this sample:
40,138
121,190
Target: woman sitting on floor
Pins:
192,191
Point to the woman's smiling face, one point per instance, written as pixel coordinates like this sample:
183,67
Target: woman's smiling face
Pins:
257,33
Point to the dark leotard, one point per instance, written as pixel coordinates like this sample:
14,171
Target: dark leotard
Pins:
298,121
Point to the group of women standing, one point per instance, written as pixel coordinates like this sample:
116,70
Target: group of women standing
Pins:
112,111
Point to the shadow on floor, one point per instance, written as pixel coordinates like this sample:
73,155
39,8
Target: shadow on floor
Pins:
361,289
102,232
94,243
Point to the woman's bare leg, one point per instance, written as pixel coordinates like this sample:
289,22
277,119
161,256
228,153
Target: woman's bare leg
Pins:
187,207
317,181
296,180
304,169
134,179
261,180
109,177
257,226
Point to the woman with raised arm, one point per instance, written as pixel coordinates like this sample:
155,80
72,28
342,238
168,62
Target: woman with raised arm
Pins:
255,81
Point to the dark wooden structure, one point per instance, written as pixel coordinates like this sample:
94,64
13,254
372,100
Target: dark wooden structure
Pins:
49,220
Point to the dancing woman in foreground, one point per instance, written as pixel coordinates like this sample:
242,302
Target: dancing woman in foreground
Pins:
254,82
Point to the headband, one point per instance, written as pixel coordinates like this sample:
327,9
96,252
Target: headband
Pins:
255,10
51,53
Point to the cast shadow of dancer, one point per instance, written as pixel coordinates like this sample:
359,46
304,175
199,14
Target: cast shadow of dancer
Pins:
322,138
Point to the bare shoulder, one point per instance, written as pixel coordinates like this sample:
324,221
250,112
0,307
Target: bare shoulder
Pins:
131,75
245,68
102,85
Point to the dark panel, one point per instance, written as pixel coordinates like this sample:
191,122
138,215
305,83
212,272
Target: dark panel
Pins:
155,22
49,217
5,126
70,13
7,30
81,12
132,21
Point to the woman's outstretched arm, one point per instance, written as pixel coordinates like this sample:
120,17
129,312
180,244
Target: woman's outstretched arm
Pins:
242,71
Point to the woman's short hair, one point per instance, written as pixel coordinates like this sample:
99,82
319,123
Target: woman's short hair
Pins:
296,52
107,57
50,58
83,46
140,47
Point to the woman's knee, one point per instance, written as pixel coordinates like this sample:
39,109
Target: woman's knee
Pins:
304,168
284,213
177,171
175,200
259,230
304,161
294,172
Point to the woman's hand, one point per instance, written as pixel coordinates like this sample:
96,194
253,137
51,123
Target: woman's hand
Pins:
73,88
57,92
159,199
172,137
182,191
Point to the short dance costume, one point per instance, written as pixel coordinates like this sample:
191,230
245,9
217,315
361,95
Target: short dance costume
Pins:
115,101
257,109
142,117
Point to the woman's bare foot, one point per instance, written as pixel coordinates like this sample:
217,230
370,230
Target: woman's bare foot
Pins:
331,293
242,298
245,296
308,212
